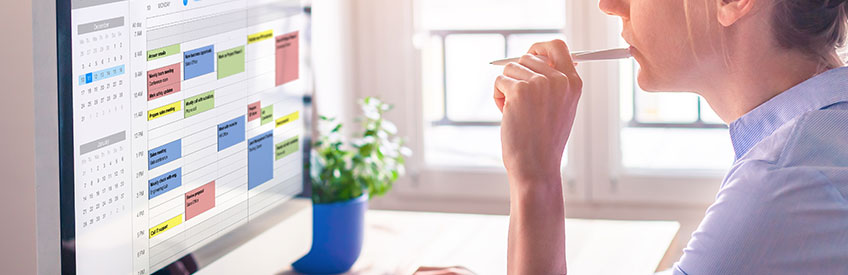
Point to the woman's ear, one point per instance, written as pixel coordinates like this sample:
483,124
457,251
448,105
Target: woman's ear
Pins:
730,11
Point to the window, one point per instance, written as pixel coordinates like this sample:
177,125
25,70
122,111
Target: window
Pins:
663,131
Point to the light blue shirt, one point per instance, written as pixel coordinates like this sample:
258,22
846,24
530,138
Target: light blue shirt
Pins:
783,206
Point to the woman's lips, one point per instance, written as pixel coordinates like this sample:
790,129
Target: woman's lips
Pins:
633,51
626,35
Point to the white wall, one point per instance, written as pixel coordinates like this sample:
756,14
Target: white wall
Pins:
17,140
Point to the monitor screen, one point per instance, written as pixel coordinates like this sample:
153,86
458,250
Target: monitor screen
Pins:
181,123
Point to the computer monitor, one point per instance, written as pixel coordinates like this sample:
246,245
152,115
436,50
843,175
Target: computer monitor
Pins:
181,127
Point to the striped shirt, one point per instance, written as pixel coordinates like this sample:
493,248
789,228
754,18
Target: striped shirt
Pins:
783,206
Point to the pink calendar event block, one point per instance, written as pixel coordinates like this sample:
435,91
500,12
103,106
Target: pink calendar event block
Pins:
163,81
163,91
199,200
253,111
287,58
164,76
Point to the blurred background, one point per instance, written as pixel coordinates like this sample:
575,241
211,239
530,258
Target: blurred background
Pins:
632,155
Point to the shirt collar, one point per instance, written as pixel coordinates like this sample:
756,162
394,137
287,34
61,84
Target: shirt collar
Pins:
816,93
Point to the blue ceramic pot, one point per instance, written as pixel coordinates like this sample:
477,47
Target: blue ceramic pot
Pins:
337,231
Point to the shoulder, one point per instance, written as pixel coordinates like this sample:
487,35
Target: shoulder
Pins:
816,138
811,149
757,224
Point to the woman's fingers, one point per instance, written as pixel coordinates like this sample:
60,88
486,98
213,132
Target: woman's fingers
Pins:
499,99
505,87
518,71
559,54
548,64
538,64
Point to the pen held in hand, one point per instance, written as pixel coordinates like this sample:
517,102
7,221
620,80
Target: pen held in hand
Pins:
582,56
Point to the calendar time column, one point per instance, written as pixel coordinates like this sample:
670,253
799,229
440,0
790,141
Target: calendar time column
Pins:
138,82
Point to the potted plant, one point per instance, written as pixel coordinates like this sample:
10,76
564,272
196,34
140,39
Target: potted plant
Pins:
345,175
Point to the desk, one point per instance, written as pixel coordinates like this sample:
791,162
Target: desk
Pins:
397,242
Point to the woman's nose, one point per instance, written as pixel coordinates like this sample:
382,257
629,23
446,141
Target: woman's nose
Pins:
619,8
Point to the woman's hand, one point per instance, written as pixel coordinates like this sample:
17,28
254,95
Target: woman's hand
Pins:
538,98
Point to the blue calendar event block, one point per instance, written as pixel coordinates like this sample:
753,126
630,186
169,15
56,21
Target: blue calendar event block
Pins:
260,159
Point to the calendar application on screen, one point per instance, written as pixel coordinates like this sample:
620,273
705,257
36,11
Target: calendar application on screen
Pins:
187,124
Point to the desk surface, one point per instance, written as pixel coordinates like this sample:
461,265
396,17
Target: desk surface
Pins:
398,242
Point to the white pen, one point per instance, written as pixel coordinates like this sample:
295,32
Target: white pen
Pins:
582,56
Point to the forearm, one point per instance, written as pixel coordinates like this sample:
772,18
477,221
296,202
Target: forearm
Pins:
536,227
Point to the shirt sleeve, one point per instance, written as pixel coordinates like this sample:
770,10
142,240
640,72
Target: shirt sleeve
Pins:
770,220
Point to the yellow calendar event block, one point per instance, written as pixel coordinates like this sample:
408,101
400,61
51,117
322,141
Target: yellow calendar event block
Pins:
256,37
164,110
288,118
162,227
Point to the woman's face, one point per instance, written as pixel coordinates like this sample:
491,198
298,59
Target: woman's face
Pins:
662,43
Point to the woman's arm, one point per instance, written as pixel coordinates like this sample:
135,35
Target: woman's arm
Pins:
538,98
536,228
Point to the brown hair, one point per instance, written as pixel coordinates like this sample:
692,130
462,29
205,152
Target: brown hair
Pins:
815,27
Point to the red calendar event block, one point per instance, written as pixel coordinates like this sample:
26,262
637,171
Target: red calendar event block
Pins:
253,111
164,76
199,200
287,57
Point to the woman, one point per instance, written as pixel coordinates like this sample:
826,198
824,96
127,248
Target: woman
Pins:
769,68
